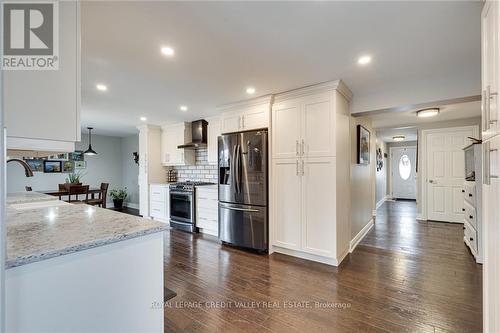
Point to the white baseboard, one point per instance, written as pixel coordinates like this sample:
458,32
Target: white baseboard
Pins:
131,205
355,241
421,217
307,256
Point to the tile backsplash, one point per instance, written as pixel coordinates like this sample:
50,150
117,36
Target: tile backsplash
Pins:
201,171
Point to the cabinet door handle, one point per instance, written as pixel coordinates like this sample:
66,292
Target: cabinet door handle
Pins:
297,167
296,147
463,209
303,148
463,191
487,108
471,217
470,195
471,239
302,167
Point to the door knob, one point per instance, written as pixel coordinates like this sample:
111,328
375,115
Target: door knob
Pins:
431,181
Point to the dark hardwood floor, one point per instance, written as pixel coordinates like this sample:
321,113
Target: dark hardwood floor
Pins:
405,276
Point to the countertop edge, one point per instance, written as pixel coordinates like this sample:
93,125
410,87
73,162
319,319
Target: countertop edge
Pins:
24,260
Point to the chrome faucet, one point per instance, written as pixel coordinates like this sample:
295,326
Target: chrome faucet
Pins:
27,169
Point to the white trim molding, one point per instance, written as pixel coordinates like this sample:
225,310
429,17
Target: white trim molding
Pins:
355,241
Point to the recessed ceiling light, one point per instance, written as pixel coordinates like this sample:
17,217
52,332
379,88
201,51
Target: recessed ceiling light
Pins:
426,113
364,60
144,119
250,90
183,108
101,87
167,50
398,138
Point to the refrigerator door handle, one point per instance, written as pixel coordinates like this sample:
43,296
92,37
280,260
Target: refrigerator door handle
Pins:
232,166
242,209
238,169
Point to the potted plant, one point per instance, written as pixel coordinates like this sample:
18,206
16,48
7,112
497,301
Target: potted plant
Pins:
73,179
118,197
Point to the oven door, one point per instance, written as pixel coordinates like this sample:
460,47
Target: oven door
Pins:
181,206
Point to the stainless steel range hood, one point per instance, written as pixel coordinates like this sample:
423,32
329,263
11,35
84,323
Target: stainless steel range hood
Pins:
198,135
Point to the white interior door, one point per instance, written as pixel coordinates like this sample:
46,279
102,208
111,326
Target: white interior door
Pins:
446,173
404,177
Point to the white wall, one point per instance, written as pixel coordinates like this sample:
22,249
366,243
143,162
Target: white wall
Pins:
381,175
110,165
362,180
130,170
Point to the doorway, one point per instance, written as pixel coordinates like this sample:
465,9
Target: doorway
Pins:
403,171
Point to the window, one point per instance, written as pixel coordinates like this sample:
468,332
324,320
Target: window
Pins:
404,167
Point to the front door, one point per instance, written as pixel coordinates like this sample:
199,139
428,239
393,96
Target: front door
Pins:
404,179
446,173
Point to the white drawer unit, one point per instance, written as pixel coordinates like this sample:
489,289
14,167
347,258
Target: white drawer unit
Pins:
472,208
207,209
159,202
470,192
470,237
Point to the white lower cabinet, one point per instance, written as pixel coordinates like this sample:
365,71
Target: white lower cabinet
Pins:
318,202
304,205
207,209
287,203
159,202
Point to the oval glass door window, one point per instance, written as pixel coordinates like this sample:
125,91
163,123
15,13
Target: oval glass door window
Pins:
404,167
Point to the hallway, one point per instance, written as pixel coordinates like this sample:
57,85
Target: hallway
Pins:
405,276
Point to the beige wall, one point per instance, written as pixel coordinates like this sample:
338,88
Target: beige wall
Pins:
362,180
381,177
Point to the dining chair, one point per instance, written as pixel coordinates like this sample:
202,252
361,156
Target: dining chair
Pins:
103,194
28,188
77,190
61,188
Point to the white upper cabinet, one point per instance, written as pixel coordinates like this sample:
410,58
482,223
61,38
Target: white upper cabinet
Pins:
490,68
304,126
247,115
286,123
42,107
214,130
173,136
318,125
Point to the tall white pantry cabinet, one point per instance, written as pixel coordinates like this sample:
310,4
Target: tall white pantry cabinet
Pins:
310,183
490,37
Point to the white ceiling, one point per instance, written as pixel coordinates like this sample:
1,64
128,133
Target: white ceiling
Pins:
389,124
422,51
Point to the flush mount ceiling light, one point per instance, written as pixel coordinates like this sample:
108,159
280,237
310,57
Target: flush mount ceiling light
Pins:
426,113
250,90
398,138
90,151
144,119
101,87
183,108
364,60
168,51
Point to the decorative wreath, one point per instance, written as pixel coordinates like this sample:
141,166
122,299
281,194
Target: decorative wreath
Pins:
380,160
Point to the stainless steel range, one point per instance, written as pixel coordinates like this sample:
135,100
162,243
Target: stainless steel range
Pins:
182,205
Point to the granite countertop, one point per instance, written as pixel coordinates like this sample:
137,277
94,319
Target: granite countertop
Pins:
27,197
42,233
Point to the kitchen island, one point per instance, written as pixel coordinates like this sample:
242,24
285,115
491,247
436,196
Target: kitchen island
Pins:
78,268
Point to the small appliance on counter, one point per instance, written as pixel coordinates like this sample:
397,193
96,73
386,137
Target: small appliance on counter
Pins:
243,189
171,176
183,205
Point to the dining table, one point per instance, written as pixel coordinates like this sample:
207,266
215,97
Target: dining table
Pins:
64,192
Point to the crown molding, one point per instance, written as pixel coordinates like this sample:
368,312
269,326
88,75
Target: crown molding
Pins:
267,99
337,85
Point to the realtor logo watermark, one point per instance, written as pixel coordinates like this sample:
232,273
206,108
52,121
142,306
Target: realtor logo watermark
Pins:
30,35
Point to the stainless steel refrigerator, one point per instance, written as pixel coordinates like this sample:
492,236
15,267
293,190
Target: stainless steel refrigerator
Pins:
243,189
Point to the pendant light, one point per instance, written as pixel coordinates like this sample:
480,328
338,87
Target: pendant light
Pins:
90,151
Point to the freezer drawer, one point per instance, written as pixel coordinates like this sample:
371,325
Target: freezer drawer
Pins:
243,225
